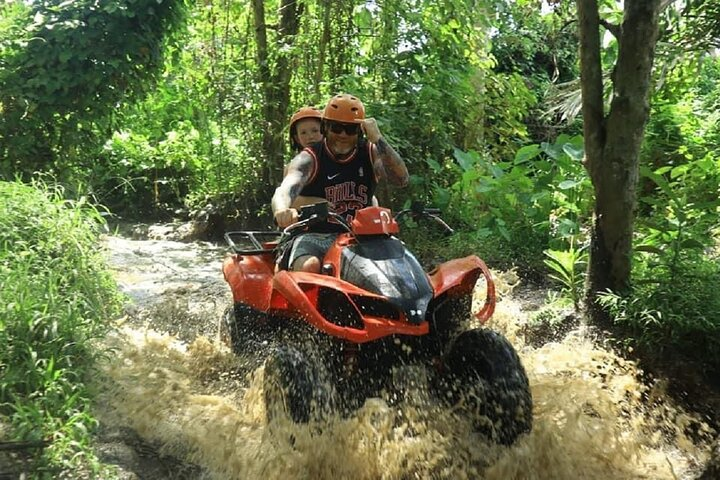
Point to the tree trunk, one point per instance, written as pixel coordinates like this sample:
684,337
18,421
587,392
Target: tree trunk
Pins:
612,142
279,100
275,86
322,50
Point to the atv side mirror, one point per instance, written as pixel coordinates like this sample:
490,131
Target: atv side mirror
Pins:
417,209
418,212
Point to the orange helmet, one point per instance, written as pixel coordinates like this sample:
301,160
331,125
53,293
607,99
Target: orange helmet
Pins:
344,108
305,112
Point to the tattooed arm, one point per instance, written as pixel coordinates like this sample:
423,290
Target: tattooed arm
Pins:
386,160
389,164
287,196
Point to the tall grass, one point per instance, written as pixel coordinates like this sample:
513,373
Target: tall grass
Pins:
675,315
56,296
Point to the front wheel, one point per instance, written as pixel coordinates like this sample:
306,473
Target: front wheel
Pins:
449,317
483,375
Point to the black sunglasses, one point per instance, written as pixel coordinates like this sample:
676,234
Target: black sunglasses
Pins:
349,128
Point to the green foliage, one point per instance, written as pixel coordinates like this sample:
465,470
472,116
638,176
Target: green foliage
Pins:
12,16
537,41
517,209
537,46
698,22
674,315
56,297
140,175
680,172
429,84
68,67
144,176
684,124
680,229
568,268
507,103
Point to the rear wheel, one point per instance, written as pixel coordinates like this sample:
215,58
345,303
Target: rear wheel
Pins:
484,376
296,387
244,328
228,328
250,333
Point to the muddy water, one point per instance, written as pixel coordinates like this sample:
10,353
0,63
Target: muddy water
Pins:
173,383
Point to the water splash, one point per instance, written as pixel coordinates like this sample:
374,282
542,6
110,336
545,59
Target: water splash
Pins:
593,417
592,420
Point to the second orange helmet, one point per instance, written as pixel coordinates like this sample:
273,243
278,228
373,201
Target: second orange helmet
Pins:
344,108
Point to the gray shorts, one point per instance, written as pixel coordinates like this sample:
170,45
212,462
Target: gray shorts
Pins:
307,244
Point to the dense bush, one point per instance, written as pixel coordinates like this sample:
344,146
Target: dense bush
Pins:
65,67
510,211
674,315
56,297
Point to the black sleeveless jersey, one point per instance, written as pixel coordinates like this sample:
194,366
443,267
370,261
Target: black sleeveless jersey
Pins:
348,184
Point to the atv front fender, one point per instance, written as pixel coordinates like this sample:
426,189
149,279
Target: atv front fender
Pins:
250,279
458,277
288,292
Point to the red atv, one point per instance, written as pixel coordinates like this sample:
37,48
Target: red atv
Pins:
333,339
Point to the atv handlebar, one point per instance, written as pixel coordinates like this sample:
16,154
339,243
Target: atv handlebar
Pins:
320,213
313,214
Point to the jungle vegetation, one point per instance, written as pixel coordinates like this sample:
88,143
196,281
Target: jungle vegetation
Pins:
575,141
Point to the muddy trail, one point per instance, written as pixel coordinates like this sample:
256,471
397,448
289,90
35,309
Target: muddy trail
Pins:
178,404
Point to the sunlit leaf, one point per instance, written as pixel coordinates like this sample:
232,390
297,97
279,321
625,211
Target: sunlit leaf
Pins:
574,152
434,165
466,160
568,184
527,153
552,150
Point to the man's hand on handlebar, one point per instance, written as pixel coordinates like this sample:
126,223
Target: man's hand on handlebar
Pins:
286,217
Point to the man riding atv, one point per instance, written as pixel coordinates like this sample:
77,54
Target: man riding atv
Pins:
343,170
357,311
